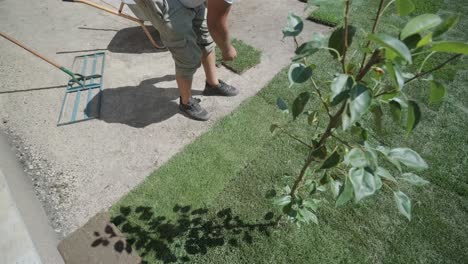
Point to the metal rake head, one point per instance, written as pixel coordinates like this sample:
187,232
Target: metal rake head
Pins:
82,100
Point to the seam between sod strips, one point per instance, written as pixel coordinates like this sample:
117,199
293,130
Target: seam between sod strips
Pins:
191,188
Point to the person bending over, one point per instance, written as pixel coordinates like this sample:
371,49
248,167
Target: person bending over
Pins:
185,27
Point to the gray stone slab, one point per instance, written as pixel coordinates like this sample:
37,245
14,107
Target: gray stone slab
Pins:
97,242
27,215
16,245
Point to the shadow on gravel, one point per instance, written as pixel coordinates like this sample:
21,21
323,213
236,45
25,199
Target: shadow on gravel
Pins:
138,106
193,232
131,40
134,40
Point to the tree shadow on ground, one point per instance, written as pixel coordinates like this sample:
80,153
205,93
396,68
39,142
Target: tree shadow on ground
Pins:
137,106
134,40
193,232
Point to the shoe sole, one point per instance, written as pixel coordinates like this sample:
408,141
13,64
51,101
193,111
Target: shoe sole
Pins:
205,93
193,117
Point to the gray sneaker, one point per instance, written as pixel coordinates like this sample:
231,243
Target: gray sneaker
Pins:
222,89
194,110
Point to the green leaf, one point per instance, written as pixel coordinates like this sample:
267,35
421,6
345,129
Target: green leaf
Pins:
364,183
320,153
310,204
425,41
339,84
411,42
447,25
336,40
392,44
356,158
408,157
289,210
437,92
414,179
340,98
414,116
281,104
346,120
299,104
385,151
419,24
311,47
360,101
395,109
284,200
384,173
403,204
404,7
396,75
308,216
335,187
305,50
298,73
450,47
331,161
294,26
347,193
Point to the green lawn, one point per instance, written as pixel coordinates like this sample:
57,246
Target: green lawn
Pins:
247,57
331,12
208,204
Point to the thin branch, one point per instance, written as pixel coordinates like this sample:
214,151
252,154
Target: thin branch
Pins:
321,98
296,43
345,35
433,69
387,6
384,93
295,138
334,122
425,60
376,58
374,29
341,141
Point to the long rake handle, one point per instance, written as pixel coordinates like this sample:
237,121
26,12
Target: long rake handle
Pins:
30,50
118,13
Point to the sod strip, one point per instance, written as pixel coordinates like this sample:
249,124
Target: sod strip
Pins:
247,57
330,13
197,174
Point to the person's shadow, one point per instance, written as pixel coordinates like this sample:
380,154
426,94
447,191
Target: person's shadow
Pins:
137,106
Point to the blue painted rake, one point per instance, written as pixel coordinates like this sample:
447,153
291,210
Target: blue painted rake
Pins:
87,83
82,100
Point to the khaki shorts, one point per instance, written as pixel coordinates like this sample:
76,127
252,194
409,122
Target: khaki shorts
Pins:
183,30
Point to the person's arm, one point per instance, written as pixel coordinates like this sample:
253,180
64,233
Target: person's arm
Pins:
217,19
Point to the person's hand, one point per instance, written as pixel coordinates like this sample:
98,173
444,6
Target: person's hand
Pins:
229,54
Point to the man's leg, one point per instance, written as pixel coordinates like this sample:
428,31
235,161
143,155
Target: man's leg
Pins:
209,65
174,23
185,88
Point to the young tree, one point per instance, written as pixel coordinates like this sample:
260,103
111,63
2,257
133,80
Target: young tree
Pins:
358,169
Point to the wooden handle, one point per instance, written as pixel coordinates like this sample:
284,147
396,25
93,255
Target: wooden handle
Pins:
30,50
118,13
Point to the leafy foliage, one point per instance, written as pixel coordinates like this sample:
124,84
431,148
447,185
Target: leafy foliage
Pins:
347,161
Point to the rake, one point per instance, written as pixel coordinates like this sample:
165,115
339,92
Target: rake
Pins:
85,84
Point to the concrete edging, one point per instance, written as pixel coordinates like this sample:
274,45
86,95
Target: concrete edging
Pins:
31,239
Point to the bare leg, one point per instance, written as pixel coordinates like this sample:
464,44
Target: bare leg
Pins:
185,88
209,65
